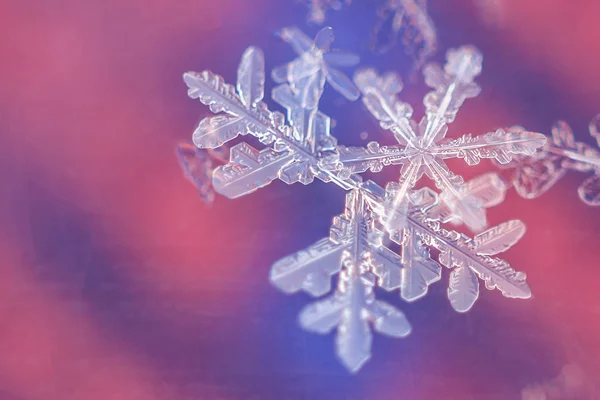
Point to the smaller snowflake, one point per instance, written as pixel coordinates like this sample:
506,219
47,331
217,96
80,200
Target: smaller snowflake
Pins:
308,73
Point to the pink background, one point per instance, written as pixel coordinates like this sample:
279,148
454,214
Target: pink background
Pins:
116,282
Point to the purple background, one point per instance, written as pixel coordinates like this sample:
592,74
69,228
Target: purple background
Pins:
116,282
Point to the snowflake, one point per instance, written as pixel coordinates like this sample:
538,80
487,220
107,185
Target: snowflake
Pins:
302,149
534,175
421,148
308,73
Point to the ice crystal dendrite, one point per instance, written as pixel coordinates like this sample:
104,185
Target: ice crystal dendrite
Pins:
534,175
422,147
301,148
355,249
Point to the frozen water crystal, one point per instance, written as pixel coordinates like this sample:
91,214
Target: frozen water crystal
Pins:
422,147
534,175
300,148
308,73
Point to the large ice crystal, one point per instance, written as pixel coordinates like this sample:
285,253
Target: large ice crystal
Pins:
300,148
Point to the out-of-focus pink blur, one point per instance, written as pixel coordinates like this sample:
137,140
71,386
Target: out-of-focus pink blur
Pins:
117,283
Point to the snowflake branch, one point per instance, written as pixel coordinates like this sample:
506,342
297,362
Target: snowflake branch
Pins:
536,174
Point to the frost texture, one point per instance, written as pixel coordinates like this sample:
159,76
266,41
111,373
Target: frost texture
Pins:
534,175
300,148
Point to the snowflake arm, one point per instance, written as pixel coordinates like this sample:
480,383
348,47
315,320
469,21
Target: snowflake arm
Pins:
456,249
500,145
356,243
474,255
308,73
380,96
354,232
452,86
294,151
536,174
351,160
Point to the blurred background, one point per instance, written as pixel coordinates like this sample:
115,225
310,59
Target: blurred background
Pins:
118,283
